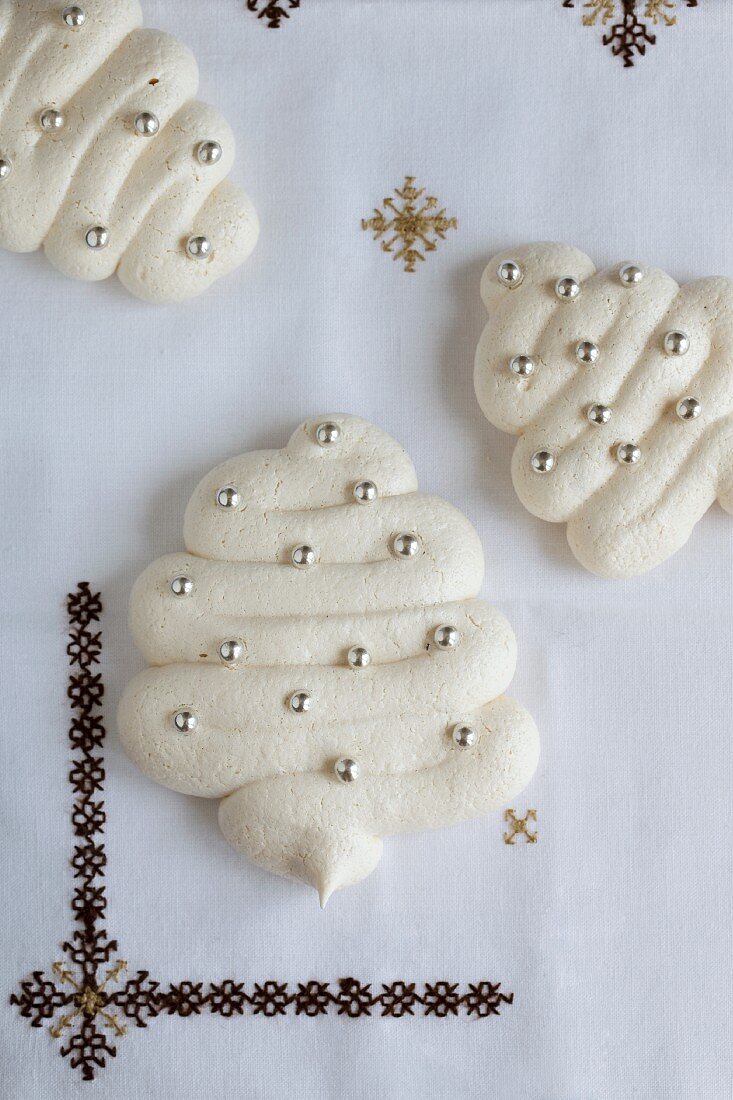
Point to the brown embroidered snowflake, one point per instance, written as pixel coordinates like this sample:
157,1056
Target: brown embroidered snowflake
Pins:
629,23
409,226
272,11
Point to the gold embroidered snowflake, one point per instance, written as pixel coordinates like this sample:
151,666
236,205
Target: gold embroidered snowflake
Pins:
409,226
90,999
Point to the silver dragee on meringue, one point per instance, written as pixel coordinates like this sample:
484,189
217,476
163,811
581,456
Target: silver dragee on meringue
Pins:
629,414
335,663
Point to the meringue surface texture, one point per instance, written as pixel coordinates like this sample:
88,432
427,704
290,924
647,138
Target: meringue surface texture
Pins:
316,750
101,131
619,384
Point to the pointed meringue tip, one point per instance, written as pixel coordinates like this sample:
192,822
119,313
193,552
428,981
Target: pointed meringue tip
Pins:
326,886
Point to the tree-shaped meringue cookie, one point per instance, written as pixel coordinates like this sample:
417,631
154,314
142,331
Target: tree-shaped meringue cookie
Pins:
322,663
619,384
105,157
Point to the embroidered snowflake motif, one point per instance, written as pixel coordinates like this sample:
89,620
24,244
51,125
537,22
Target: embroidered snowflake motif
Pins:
628,23
272,11
89,998
409,226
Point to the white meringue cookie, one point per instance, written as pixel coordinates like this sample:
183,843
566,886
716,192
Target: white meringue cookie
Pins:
273,763
150,193
629,471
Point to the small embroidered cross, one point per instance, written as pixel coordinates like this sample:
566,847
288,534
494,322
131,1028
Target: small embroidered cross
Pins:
519,827
410,227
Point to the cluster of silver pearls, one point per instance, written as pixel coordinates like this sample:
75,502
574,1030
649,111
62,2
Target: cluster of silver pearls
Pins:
97,237
689,408
146,124
185,721
230,651
208,153
51,120
346,769
599,414
465,737
542,462
676,343
509,273
567,289
73,17
405,545
365,492
446,637
198,248
587,352
628,454
300,701
6,168
227,497
522,366
181,586
630,275
303,557
327,434
358,657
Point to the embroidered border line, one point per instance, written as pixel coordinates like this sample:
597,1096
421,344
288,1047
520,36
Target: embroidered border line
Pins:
88,1000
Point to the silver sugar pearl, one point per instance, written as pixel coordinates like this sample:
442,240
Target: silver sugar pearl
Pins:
300,701
181,586
630,275
198,248
542,462
208,152
446,637
522,366
628,454
587,352
327,434
689,408
464,736
146,124
185,721
230,651
303,557
5,168
365,492
347,770
567,289
599,414
509,273
73,17
51,119
227,497
358,657
405,545
97,237
676,343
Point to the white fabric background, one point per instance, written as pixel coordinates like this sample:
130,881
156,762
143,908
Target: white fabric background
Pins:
613,931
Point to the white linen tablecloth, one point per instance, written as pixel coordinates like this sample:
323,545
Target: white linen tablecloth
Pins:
613,931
